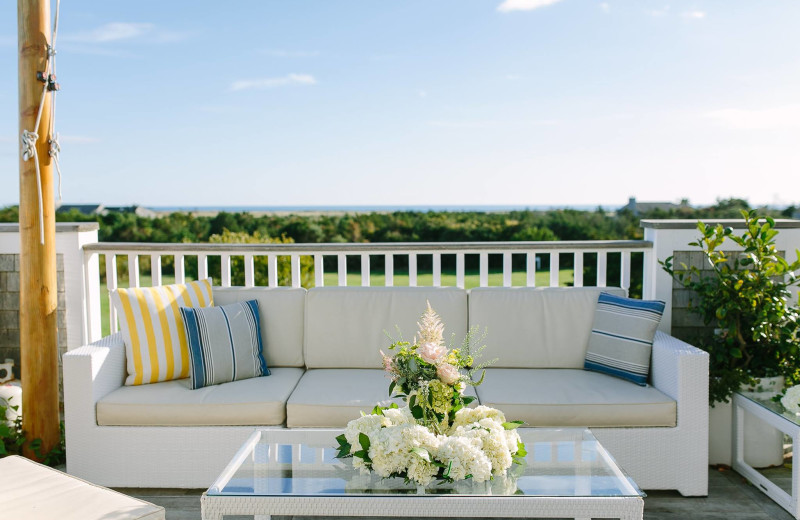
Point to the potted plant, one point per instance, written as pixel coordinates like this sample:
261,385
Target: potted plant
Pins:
745,300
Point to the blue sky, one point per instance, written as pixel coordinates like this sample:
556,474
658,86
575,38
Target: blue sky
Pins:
522,102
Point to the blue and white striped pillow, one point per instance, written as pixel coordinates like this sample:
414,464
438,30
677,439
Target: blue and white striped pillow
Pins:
224,343
622,337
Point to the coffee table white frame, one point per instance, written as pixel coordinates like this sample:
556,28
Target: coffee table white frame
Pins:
742,404
214,506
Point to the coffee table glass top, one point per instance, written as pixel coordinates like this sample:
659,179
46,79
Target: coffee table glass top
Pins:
560,463
773,406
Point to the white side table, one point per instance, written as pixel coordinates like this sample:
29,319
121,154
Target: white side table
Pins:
774,414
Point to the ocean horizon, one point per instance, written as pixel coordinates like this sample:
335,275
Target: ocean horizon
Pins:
379,208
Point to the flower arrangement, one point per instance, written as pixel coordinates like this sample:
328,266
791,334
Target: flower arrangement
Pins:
436,435
791,400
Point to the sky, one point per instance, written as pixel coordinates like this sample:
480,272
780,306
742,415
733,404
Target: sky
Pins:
445,102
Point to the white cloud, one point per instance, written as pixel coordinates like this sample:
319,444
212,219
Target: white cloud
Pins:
265,83
124,31
490,123
659,12
694,15
111,32
78,139
524,5
782,117
422,93
283,53
605,7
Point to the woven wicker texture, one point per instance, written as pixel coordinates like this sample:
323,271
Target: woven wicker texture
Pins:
192,457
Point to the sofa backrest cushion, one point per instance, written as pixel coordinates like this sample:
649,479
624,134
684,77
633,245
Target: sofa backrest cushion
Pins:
281,310
536,327
346,326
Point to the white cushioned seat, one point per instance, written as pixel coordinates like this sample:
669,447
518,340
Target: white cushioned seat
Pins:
536,327
257,401
568,397
330,398
35,492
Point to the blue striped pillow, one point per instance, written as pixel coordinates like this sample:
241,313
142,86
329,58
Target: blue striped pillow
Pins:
224,343
622,337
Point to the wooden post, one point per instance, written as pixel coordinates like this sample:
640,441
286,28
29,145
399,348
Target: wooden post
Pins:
37,295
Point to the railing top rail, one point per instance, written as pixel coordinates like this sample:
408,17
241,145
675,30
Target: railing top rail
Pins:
372,247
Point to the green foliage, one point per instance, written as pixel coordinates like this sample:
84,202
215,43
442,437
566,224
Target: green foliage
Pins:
746,299
13,439
260,262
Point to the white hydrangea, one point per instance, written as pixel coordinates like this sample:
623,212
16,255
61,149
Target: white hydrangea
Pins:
464,457
367,424
391,451
397,416
493,440
791,400
513,440
467,416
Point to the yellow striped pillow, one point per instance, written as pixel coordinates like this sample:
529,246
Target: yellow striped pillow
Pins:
154,333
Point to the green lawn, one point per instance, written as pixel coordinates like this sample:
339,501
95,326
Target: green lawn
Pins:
471,279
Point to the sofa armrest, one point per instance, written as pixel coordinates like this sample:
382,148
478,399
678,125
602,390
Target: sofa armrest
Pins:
681,371
91,372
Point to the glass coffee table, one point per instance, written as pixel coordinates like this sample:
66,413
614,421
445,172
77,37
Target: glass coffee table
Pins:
568,474
774,414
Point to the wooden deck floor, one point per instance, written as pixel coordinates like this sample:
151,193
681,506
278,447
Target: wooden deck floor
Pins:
730,497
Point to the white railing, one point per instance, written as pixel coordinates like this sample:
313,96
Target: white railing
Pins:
556,254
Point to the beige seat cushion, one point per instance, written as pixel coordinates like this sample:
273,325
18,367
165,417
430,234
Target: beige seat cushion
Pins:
346,326
330,398
282,311
536,327
567,397
258,401
35,492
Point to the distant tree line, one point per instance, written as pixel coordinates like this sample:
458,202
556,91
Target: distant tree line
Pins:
398,226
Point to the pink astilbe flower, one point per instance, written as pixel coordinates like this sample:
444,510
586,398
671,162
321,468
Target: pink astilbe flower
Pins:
431,328
448,374
388,366
432,352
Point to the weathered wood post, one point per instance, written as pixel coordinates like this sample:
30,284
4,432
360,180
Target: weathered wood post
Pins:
37,314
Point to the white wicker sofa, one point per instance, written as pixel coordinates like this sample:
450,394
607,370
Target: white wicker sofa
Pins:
322,347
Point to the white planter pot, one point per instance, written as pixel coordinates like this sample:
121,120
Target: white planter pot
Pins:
763,445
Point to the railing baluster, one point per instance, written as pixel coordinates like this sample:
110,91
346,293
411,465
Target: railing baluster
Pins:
648,275
180,272
412,269
133,270
507,269
319,271
342,258
272,270
460,268
202,266
364,269
484,269
155,269
578,269
296,270
554,269
225,269
111,285
530,277
388,269
437,269
625,270
249,270
602,259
